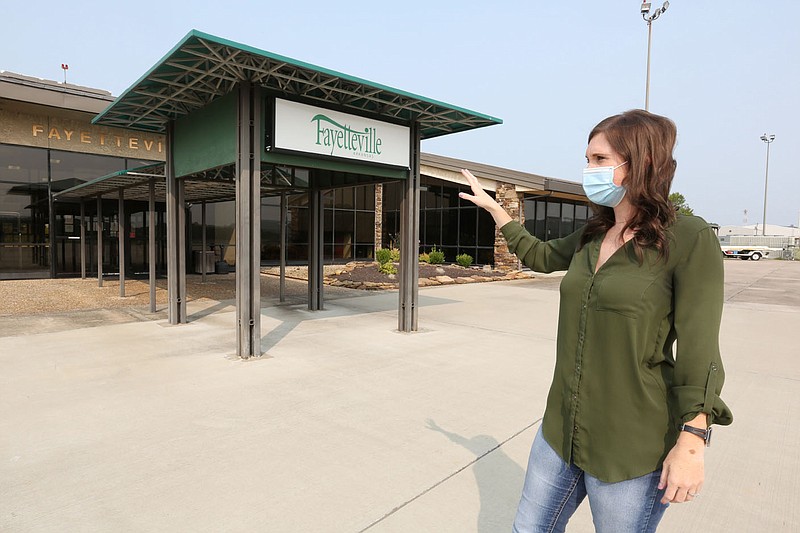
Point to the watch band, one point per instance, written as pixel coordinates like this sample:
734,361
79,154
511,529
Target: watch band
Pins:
704,434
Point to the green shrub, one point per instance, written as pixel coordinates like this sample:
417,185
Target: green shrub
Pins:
424,258
383,255
395,255
465,260
387,268
436,257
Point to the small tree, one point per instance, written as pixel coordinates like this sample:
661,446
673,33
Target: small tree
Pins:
680,204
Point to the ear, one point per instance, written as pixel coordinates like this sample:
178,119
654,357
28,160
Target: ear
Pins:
620,175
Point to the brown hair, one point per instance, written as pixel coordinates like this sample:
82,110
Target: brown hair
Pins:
646,142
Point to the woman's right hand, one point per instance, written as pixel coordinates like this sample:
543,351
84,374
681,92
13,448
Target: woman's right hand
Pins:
480,198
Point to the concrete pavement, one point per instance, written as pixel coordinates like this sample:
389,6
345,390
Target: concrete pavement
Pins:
348,425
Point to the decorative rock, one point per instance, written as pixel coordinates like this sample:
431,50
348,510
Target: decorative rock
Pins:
464,280
445,280
439,270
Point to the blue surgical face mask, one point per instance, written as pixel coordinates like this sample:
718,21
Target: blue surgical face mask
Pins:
599,186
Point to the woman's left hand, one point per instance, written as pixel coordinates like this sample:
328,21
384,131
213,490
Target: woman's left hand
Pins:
683,471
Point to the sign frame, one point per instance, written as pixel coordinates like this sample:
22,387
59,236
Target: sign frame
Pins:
368,133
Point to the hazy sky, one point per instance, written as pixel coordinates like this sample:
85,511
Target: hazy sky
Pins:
725,72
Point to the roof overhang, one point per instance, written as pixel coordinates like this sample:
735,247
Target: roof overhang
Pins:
202,67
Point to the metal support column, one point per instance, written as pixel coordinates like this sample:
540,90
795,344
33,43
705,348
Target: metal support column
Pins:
316,232
99,241
151,244
409,240
284,209
51,224
176,236
121,240
203,241
83,239
248,223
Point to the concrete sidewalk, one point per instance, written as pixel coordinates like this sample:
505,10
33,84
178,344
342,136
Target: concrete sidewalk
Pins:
349,426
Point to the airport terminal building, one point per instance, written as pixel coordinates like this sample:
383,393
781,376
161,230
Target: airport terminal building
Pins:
49,146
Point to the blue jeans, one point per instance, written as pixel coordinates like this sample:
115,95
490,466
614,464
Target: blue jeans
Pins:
554,489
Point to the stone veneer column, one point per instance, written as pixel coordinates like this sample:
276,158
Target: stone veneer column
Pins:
378,216
507,196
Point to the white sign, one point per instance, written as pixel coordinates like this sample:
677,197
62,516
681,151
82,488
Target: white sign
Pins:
315,130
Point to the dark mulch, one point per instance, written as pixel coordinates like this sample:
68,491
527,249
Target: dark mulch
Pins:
368,272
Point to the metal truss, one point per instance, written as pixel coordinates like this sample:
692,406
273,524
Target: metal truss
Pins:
203,67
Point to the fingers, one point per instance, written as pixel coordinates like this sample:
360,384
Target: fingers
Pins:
478,196
676,494
472,180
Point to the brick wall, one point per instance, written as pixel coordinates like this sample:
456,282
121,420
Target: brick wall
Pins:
378,216
507,196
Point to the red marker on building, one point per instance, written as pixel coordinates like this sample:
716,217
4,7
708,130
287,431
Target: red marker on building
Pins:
65,68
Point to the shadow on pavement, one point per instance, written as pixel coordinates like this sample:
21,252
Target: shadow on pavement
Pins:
498,477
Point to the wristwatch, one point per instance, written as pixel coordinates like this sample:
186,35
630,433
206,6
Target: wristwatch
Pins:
704,434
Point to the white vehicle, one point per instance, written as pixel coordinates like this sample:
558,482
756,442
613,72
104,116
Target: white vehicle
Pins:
746,252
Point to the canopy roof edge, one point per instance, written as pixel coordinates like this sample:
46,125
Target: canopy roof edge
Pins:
202,67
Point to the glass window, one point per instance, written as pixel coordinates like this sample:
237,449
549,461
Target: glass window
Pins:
553,222
567,219
391,196
343,226
365,227
270,220
297,222
581,215
365,197
450,253
541,215
529,208
429,197
301,177
449,197
433,227
468,229
68,169
486,227
20,164
450,227
345,198
365,252
327,226
300,200
24,210
390,229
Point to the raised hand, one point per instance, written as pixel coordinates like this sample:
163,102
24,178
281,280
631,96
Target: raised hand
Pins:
480,198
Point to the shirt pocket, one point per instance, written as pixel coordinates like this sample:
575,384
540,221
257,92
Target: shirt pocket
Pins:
623,294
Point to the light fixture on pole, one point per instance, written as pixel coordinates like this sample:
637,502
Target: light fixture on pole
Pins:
649,18
767,139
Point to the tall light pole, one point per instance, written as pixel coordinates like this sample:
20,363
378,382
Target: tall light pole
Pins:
767,139
649,18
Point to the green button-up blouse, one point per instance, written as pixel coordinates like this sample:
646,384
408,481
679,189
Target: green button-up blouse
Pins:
619,392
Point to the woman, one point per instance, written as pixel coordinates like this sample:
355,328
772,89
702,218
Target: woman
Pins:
627,421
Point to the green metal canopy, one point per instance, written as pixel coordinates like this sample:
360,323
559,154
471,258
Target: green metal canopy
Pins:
202,67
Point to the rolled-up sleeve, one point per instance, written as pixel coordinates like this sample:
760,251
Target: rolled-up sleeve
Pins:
541,256
698,296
